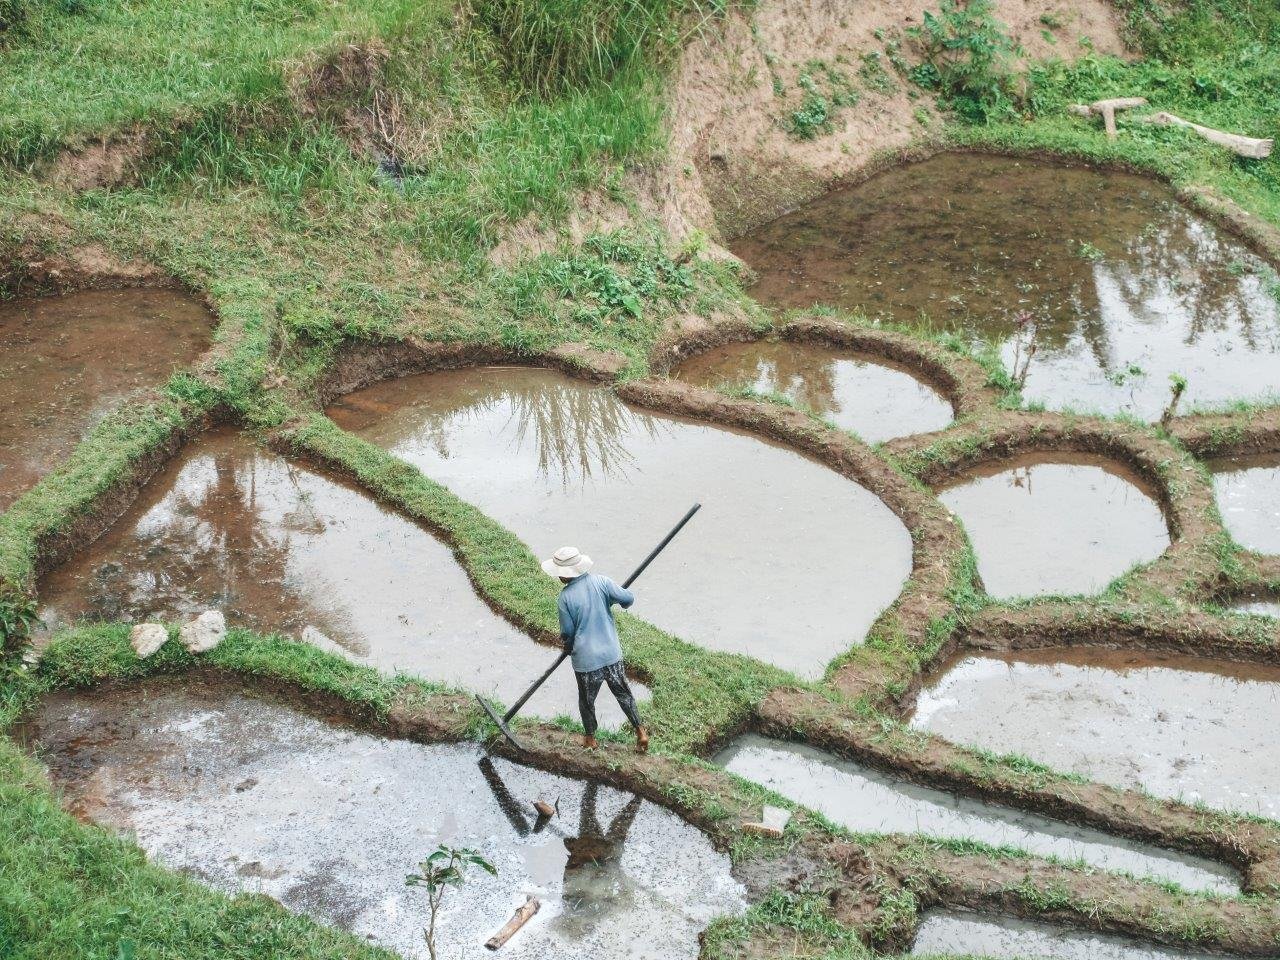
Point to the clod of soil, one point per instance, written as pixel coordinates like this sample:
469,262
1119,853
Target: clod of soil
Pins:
248,794
869,801
1062,527
1248,492
874,399
948,932
277,547
1176,726
1123,286
562,462
67,361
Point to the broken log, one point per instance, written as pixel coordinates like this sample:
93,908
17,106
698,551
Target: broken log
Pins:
518,919
1107,110
1251,147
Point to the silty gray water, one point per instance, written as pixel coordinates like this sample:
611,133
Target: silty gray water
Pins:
65,362
278,547
876,400
951,933
1179,727
1061,527
1123,285
250,795
1248,492
787,561
869,801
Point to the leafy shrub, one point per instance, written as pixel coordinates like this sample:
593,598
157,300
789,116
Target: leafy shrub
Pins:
17,617
968,60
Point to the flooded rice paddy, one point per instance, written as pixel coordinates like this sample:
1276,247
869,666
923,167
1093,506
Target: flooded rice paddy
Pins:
1122,285
1248,492
278,547
247,794
65,362
1063,527
874,399
1265,607
787,561
945,932
868,801
1179,727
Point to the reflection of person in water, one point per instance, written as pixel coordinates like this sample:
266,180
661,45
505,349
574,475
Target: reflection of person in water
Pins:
595,884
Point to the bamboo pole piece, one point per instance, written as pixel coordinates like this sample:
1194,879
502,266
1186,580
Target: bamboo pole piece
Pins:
518,919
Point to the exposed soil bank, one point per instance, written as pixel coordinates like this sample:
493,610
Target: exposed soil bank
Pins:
66,361
248,794
948,932
1248,492
870,396
1067,525
1175,726
1123,284
870,801
279,548
558,461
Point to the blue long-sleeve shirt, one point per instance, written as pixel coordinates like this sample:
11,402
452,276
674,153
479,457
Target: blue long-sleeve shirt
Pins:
587,621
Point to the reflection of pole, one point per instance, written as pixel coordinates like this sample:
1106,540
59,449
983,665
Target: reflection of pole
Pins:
508,804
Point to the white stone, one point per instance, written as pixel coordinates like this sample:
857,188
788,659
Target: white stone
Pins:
204,632
776,818
147,638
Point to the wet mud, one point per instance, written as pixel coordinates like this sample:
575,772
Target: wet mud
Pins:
869,801
1063,527
955,933
1248,492
247,794
67,361
1122,284
278,547
870,397
787,561
1175,726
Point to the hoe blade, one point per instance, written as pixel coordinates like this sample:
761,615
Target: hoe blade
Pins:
502,724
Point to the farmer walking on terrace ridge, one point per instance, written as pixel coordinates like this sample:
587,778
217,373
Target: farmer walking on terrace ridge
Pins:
590,637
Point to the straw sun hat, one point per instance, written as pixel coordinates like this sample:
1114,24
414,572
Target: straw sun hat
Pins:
567,562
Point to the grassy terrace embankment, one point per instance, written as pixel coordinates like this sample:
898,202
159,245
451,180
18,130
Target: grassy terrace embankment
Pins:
235,145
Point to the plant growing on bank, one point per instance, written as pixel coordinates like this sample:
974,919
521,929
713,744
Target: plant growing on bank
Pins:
445,867
17,617
968,60
1177,386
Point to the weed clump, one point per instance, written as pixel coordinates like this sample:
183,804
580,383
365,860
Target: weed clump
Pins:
968,60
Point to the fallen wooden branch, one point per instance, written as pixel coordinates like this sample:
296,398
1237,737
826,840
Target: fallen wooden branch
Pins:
1107,110
1245,146
518,919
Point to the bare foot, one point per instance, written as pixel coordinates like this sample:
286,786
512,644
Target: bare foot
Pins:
642,740
589,742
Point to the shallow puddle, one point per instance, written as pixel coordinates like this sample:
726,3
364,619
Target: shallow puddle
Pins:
1180,727
1124,285
866,800
787,562
65,362
871,397
1248,492
280,548
251,795
1066,527
953,933
1267,608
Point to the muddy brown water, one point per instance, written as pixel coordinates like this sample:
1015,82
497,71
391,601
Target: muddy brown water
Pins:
1248,492
1063,527
1124,285
787,561
871,397
1178,727
65,362
248,794
953,933
278,547
870,801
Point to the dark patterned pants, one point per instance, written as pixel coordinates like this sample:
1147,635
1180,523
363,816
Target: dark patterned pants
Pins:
589,684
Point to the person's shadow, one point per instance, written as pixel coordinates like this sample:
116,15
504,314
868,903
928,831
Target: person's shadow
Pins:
595,883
